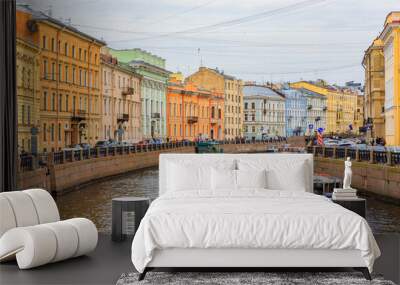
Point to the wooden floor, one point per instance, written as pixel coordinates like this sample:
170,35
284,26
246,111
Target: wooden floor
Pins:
110,259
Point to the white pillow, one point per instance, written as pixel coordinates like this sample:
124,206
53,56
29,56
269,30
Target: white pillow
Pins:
223,179
251,178
288,175
183,177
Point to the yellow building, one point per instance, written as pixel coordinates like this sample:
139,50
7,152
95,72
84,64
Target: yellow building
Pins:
341,105
374,92
28,99
359,113
69,79
233,96
214,81
390,37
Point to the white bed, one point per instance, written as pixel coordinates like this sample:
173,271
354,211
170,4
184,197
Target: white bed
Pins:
226,226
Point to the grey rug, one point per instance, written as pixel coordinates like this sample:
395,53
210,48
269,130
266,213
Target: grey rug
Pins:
229,278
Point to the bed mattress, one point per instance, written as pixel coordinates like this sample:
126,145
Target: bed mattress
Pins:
250,219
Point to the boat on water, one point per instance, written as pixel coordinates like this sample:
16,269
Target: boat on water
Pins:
208,147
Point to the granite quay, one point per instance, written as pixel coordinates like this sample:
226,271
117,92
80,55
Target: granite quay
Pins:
373,171
65,170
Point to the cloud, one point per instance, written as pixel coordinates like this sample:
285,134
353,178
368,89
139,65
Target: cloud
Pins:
317,37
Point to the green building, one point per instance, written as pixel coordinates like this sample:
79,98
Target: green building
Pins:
153,89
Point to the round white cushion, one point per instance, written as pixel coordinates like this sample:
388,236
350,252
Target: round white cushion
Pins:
41,244
45,205
7,218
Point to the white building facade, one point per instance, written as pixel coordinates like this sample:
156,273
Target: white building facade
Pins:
264,112
316,111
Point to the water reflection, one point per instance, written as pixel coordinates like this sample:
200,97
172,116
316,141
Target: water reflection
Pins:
94,201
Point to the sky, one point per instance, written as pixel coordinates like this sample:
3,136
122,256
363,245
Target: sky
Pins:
255,40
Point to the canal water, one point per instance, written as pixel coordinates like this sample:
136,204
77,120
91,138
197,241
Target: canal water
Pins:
94,201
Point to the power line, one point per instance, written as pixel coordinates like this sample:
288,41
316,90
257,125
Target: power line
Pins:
182,13
299,72
245,19
224,24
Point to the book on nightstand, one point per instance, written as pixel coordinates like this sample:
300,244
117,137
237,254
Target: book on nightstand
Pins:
344,194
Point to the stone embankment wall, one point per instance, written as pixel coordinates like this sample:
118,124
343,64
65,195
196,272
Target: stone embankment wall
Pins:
380,179
66,176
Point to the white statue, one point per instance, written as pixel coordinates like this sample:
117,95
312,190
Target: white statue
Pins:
347,174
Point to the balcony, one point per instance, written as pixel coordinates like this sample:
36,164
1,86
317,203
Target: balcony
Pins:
128,91
123,118
155,116
79,115
192,119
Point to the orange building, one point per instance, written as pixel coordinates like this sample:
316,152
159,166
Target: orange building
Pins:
213,80
69,64
193,113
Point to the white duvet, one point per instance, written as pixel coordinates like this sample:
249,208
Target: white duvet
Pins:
250,219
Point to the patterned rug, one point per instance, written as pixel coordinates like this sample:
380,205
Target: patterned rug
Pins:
243,278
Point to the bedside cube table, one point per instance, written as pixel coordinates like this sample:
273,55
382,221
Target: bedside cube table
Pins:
127,212
357,205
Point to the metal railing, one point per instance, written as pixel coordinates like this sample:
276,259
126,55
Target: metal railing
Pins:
29,162
364,155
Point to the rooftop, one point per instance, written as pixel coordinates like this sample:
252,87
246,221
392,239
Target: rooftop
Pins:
42,17
257,90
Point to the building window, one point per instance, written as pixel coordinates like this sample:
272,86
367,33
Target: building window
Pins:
73,75
60,102
80,54
73,51
74,104
53,102
45,100
52,133
52,44
45,69
66,102
53,71
29,115
253,105
59,132
66,73
80,77
59,72
44,42
246,106
66,49
253,129
23,114
84,55
85,75
44,132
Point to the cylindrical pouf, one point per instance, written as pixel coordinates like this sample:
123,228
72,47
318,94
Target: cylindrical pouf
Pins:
67,240
127,212
45,205
6,215
41,244
87,235
33,246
